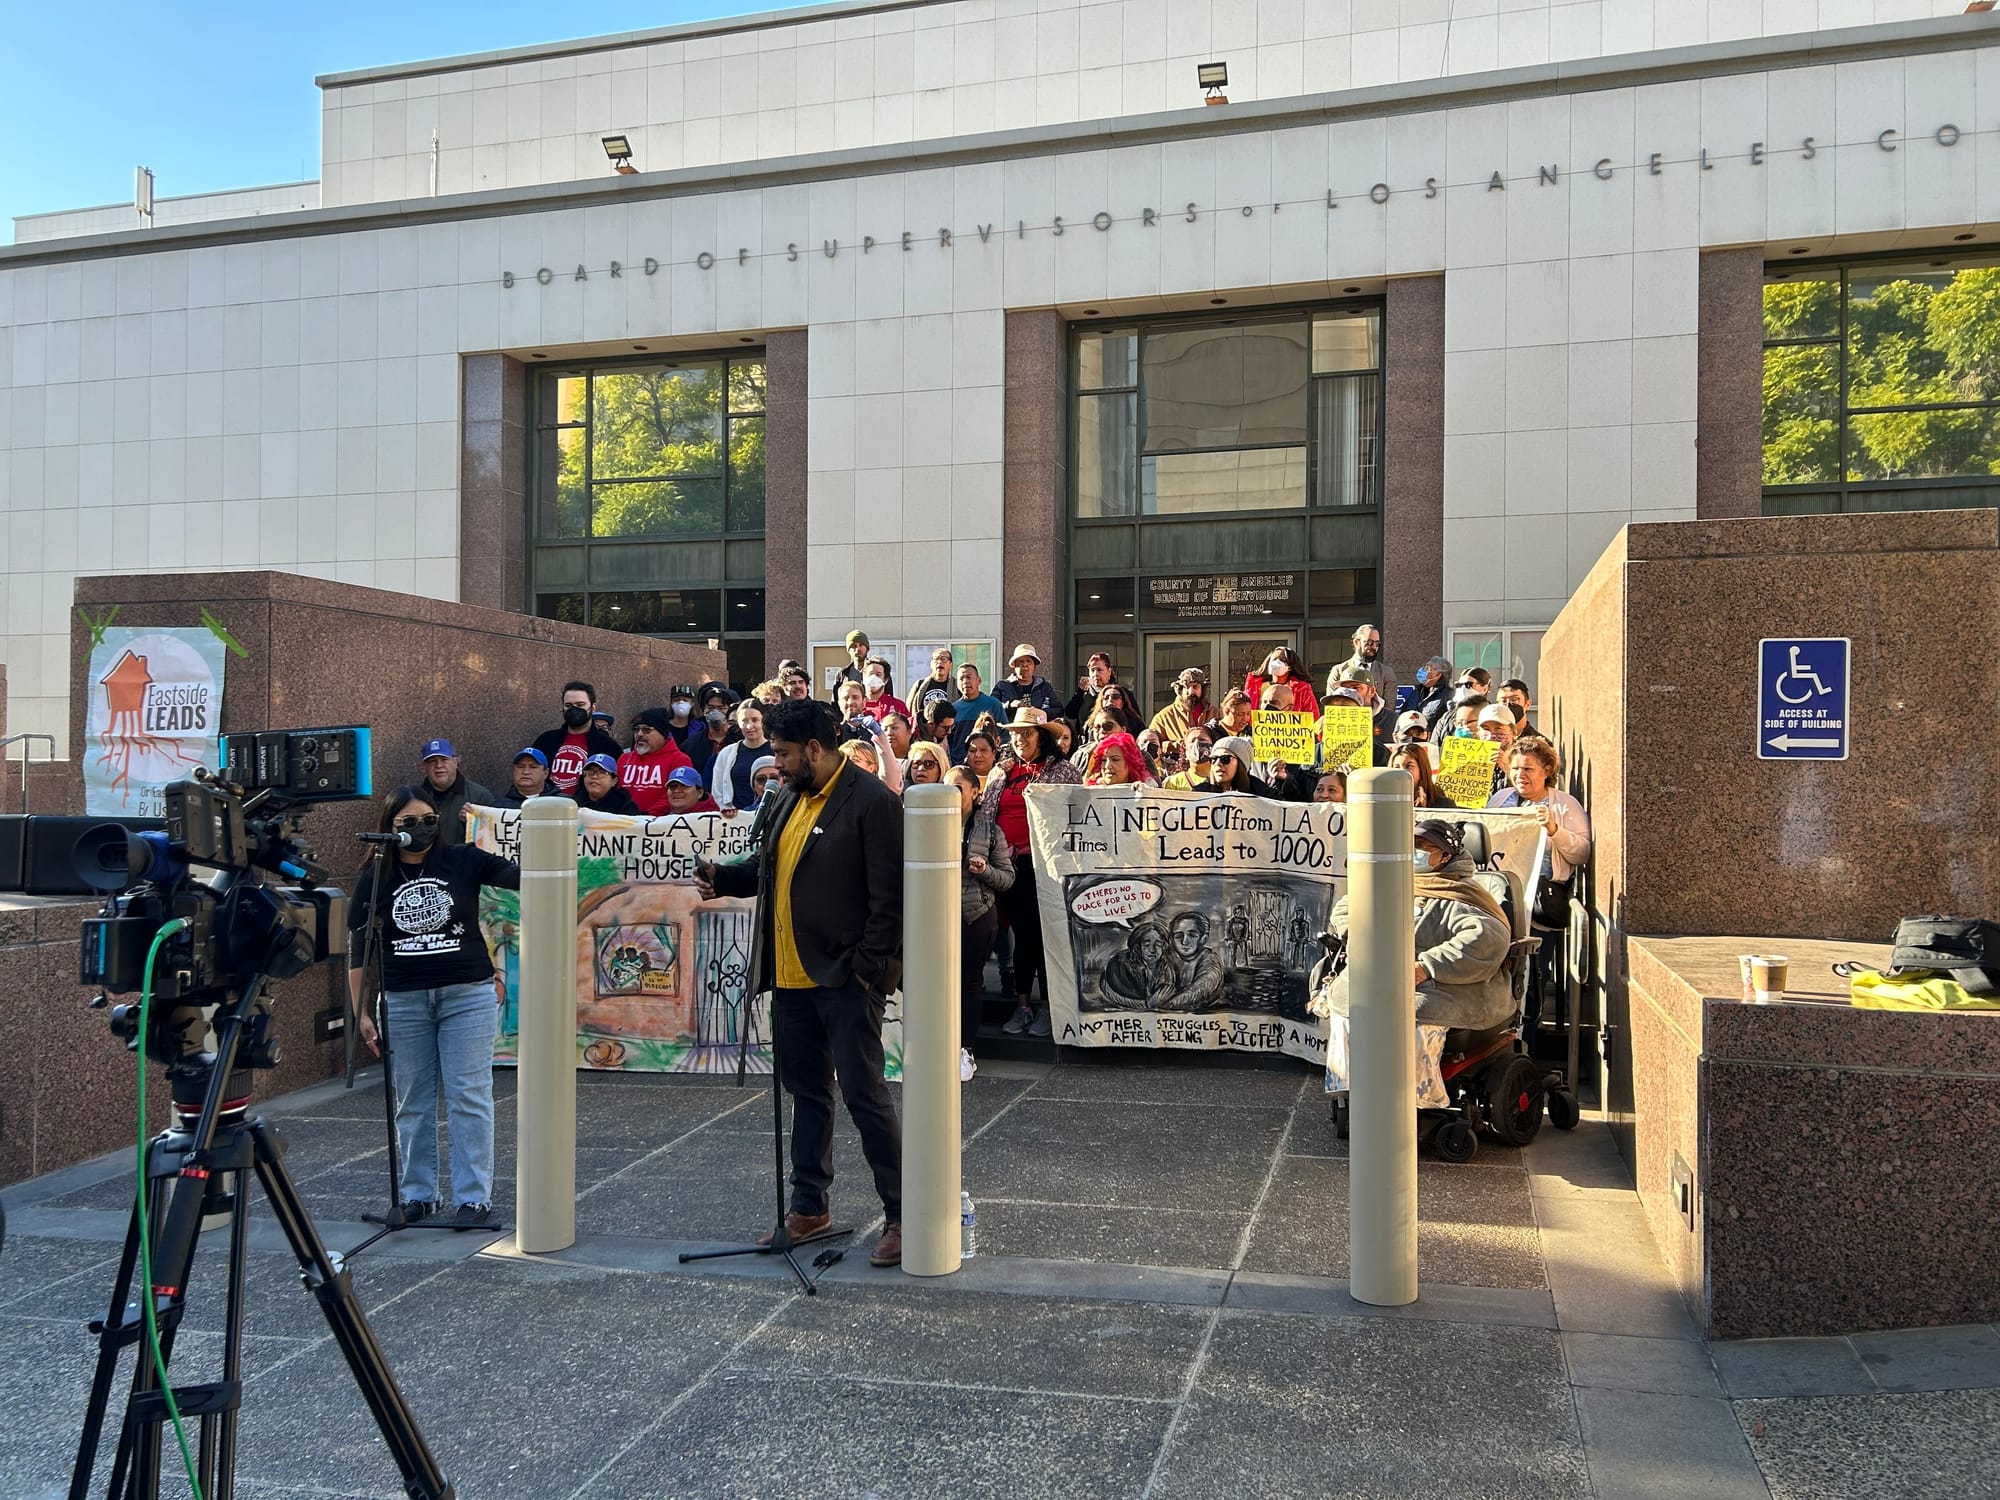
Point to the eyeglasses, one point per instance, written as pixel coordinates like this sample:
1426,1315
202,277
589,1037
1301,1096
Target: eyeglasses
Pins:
427,822
1225,755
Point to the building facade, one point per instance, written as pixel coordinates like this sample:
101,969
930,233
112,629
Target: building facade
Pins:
969,322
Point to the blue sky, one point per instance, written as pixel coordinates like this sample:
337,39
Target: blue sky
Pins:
220,94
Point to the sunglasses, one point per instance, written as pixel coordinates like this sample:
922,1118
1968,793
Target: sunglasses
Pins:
428,822
1225,755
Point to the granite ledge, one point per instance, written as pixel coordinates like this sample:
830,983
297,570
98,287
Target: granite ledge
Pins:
1792,536
1818,1028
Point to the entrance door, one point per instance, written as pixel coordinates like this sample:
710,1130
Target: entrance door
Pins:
1227,658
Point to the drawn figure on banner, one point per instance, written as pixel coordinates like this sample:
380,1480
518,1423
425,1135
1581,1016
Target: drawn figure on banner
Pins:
1169,961
1301,939
1237,930
1139,974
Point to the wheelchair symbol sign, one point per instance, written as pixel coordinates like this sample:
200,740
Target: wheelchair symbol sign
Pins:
1802,698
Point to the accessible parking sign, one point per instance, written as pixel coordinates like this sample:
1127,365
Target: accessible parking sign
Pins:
1802,698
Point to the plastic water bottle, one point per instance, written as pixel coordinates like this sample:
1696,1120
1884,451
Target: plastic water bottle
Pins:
968,1227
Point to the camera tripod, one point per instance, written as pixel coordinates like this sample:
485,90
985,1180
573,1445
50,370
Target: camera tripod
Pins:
198,1172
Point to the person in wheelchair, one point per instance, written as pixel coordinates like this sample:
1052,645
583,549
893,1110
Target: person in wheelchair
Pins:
1462,975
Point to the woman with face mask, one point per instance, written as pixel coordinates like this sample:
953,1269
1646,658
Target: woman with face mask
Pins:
442,1002
877,699
1283,671
730,774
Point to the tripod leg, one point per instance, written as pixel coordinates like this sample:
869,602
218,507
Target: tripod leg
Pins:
222,1484
110,1340
333,1288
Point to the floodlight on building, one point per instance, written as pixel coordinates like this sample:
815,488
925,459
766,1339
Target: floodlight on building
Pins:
619,149
1214,77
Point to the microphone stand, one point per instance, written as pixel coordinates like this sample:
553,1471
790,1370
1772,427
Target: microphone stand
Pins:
374,992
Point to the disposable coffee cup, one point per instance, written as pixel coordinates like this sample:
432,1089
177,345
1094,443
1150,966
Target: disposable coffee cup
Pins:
1767,977
1743,962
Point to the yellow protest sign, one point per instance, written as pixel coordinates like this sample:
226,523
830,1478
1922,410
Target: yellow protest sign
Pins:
1283,736
1346,736
1465,770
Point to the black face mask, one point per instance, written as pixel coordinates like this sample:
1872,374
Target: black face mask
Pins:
421,837
576,718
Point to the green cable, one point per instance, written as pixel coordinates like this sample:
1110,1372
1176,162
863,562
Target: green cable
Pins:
145,1233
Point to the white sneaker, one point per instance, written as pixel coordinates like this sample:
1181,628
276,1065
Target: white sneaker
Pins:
967,1065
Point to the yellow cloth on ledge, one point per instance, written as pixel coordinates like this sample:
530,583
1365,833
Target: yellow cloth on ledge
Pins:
1874,991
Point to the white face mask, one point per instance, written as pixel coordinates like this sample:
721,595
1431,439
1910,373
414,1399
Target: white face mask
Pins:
681,707
874,682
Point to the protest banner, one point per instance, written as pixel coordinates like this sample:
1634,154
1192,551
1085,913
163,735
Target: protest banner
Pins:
1346,736
660,972
154,714
1465,770
1177,919
1289,737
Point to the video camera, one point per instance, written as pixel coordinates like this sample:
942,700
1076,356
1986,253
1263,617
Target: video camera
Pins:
241,928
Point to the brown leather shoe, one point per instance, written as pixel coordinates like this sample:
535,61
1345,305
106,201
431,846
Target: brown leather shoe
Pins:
888,1249
799,1226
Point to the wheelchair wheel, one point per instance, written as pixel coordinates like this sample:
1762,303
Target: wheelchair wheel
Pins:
1456,1142
1563,1113
1514,1102
1340,1116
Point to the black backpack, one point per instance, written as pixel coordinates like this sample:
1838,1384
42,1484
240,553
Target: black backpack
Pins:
1965,948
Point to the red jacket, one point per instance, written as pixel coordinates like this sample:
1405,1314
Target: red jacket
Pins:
1303,699
645,776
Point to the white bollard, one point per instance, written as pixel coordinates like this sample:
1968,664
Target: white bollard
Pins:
1382,1040
933,831
545,1121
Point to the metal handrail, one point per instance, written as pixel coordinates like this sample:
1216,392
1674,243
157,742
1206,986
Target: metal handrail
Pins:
18,739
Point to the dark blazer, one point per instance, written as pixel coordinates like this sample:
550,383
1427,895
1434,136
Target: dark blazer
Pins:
847,892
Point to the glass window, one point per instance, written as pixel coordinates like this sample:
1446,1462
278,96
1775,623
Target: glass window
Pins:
1181,484
1348,427
1348,340
1227,387
1104,601
642,470
1881,385
1106,361
1106,454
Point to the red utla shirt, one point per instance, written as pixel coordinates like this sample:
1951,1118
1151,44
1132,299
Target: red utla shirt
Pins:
566,765
645,776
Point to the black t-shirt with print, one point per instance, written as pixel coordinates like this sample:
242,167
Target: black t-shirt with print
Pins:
430,916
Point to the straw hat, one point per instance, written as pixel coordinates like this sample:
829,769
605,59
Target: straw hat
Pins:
1024,649
1026,716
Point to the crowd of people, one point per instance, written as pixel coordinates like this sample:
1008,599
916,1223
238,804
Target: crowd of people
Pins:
705,750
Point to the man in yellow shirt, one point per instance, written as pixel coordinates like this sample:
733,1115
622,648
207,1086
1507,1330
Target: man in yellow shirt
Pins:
829,881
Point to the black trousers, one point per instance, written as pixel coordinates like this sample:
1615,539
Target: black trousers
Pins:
1024,915
975,947
822,1034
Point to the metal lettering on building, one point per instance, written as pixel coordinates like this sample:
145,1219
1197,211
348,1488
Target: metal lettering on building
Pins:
1223,596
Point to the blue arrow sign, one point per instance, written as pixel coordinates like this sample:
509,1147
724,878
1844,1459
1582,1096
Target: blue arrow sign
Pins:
1802,698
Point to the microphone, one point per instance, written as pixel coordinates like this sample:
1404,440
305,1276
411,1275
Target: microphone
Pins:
402,839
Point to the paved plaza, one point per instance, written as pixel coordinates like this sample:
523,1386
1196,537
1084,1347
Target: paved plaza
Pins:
1157,1309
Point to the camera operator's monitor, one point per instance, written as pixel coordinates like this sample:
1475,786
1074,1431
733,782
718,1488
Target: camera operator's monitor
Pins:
305,765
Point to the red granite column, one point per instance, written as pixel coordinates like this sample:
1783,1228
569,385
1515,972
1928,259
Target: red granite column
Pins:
1413,472
1729,409
493,483
1035,490
784,498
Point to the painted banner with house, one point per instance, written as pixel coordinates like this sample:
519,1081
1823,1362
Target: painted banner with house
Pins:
155,713
660,972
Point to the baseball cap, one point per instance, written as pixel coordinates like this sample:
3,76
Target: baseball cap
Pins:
1496,715
681,690
1354,673
603,763
437,747
1410,720
603,716
529,752
1442,836
1343,695
684,776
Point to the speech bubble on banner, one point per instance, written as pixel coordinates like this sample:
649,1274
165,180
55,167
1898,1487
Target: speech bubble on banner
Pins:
1116,901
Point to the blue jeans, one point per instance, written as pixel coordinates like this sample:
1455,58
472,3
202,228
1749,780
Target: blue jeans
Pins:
445,1035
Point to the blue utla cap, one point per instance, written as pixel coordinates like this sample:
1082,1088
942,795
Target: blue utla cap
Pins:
603,763
684,776
437,747
529,752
